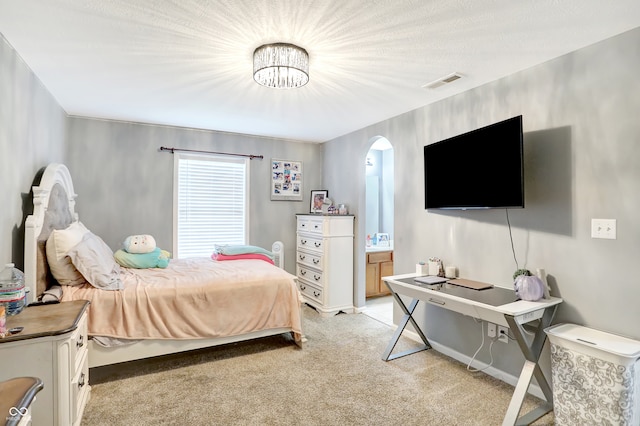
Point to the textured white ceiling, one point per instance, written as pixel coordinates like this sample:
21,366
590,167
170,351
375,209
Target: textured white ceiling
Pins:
189,62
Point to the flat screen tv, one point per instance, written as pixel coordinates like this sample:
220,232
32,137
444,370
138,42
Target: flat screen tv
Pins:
481,169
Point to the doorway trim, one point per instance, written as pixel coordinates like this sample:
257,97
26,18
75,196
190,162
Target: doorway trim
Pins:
360,246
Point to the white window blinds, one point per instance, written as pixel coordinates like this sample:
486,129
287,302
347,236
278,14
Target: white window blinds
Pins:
210,203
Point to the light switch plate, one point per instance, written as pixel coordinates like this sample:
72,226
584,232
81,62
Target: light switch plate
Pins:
603,228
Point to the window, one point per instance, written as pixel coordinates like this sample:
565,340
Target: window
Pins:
211,196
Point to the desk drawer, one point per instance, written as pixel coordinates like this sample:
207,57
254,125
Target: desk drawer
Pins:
452,305
433,298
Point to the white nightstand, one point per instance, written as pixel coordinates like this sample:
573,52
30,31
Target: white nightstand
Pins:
52,347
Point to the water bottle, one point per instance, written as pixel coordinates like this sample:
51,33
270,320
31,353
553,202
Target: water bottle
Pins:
12,292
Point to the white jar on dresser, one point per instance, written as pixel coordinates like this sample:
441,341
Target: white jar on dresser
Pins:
324,262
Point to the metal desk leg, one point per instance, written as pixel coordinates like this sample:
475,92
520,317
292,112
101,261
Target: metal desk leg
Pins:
531,368
386,356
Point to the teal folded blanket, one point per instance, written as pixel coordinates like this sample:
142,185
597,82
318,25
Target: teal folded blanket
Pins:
156,259
230,250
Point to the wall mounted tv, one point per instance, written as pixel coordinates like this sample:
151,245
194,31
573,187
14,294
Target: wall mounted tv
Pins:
481,169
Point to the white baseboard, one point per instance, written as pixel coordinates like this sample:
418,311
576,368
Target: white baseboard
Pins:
359,310
510,379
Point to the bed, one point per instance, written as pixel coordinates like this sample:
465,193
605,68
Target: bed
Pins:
190,304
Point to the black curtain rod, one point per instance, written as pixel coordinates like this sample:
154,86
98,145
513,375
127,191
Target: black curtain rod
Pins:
172,150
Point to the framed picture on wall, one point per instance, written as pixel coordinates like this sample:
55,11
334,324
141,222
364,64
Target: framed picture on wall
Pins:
317,200
286,180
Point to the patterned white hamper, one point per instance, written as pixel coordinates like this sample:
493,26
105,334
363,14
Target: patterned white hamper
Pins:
595,377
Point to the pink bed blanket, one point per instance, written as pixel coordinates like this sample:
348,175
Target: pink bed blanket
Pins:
194,298
257,256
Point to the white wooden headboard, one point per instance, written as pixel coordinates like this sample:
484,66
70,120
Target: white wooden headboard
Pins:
53,208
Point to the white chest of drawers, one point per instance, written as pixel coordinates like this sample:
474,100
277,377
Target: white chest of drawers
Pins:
324,262
52,347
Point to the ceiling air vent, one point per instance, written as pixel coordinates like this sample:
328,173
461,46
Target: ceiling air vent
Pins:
442,81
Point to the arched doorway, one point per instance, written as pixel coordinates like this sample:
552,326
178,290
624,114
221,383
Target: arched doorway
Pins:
379,217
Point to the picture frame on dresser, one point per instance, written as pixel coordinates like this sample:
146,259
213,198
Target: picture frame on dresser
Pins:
318,196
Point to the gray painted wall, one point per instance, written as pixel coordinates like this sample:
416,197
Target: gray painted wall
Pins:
582,161
125,183
581,141
32,134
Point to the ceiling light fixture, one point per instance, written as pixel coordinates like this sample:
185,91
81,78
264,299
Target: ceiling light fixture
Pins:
281,66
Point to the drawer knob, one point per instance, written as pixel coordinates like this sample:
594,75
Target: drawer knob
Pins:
80,342
317,244
303,242
316,293
301,256
316,277
316,261
303,272
303,287
81,381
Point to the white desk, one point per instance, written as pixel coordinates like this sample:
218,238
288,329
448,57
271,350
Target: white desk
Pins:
497,305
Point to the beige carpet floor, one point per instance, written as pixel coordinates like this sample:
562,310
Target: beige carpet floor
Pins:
338,378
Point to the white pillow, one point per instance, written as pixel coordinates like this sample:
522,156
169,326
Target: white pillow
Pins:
94,259
58,245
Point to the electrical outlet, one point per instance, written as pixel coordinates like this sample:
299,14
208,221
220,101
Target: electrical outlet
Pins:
503,334
491,329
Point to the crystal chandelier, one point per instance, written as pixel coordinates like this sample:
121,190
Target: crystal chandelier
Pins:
281,66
